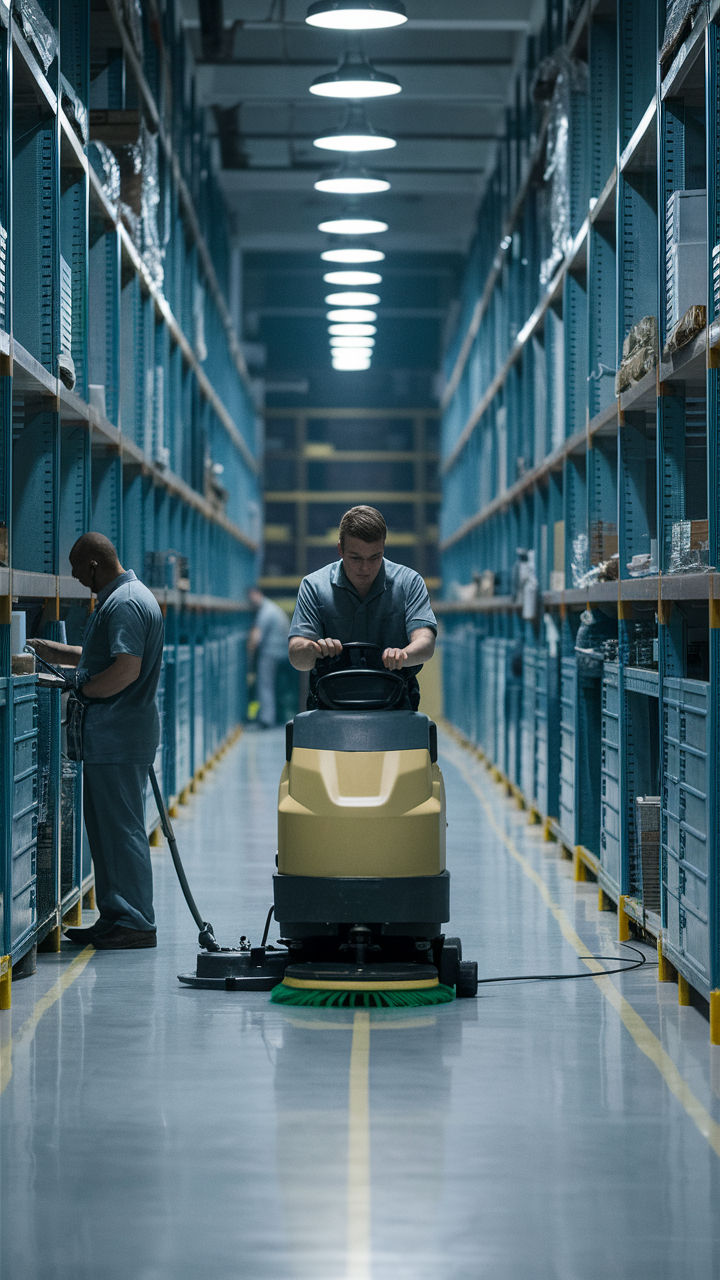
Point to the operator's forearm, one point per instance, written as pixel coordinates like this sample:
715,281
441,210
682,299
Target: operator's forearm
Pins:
114,678
303,654
421,647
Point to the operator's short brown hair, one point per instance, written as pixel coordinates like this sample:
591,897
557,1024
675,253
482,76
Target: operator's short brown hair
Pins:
363,522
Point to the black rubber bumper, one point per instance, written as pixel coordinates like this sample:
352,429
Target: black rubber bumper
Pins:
367,899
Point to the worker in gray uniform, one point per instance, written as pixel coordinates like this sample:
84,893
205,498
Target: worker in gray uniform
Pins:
116,675
364,597
268,639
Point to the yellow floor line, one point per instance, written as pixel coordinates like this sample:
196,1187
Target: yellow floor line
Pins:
358,1183
27,1030
644,1038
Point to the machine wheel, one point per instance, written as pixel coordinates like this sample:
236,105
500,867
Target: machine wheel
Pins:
449,967
455,942
467,980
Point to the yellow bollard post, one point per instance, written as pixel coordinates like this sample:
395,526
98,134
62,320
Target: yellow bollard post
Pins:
623,920
184,797
89,899
73,917
683,990
155,838
5,982
715,1017
666,971
579,869
53,941
604,902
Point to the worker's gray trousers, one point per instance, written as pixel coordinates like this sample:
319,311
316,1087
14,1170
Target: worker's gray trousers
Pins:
114,810
266,672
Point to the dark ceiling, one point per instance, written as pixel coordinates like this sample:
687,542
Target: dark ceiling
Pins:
256,59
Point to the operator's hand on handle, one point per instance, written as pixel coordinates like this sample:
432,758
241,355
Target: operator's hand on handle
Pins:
395,659
304,652
327,648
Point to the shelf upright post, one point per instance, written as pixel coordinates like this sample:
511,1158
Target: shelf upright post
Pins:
6,706
712,125
6,325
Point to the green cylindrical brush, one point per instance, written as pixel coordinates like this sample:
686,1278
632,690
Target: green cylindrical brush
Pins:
366,986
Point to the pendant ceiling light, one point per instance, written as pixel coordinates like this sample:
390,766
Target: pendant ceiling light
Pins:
351,330
351,360
352,277
352,344
352,298
354,315
355,135
351,255
355,77
353,226
356,15
351,181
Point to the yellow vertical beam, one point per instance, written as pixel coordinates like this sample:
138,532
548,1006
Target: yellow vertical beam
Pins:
53,940
666,971
623,920
579,868
73,917
5,982
715,1017
683,990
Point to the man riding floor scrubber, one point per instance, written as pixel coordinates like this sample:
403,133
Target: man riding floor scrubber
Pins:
361,890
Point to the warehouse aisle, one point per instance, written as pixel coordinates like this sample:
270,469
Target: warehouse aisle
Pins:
539,1131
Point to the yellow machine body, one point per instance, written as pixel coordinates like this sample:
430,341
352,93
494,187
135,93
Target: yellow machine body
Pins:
361,813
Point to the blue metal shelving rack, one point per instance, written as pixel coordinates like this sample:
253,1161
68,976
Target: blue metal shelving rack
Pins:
572,264
155,443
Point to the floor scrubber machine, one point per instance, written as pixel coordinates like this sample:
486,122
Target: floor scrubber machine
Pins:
361,892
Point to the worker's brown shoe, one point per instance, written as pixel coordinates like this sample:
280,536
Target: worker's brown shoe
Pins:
121,939
84,937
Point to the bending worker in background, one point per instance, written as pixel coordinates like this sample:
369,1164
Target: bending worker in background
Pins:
269,639
363,596
116,678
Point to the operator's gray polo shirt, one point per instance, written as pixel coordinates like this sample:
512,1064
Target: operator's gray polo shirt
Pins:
396,604
124,729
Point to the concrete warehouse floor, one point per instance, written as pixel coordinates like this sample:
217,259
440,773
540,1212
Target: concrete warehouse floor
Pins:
545,1131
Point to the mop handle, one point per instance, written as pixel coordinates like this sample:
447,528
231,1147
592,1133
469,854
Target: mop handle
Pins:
206,929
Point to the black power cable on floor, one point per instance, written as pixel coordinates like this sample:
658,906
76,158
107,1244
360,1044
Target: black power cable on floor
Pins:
562,977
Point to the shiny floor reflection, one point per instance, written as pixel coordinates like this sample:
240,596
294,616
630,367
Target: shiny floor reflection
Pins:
152,1132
